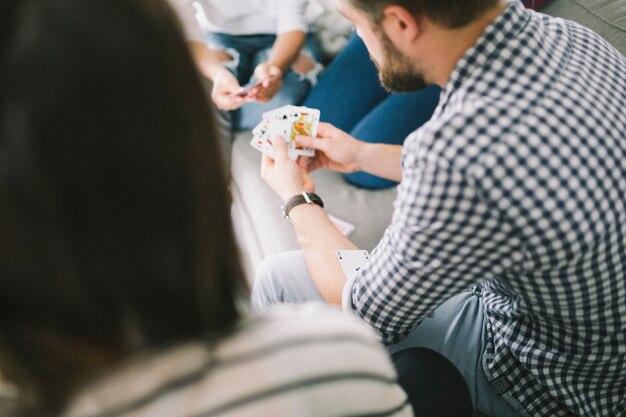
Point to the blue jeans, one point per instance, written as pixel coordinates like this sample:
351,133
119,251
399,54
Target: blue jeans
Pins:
456,329
349,96
248,51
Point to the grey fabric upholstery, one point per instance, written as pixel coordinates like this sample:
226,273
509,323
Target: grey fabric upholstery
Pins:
260,227
605,17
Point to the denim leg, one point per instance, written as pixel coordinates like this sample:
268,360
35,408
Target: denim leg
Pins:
348,89
391,122
282,279
349,96
239,49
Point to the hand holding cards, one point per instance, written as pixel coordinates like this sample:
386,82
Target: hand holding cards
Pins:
245,91
288,122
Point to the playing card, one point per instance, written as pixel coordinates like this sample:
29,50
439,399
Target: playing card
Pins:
288,122
305,125
293,121
262,145
352,261
246,89
260,129
260,141
344,227
281,114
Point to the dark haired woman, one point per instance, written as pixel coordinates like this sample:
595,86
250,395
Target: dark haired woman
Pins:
121,293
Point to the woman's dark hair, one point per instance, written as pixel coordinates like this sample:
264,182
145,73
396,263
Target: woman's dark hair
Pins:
115,233
448,13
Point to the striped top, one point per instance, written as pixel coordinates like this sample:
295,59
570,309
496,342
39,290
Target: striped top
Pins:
310,361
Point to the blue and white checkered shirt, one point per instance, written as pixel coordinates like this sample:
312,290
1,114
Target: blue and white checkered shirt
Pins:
518,184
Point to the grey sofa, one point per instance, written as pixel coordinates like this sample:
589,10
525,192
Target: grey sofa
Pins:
260,227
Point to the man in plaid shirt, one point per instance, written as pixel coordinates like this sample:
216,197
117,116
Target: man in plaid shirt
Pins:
515,188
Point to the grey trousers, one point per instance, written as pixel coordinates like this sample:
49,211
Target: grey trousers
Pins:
456,329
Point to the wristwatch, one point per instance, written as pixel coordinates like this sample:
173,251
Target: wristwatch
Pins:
304,198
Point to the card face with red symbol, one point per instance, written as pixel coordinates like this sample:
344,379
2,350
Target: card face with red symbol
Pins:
288,122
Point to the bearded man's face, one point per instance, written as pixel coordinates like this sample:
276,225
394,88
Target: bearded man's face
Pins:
397,74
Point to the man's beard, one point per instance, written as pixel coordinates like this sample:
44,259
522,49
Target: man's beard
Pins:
397,74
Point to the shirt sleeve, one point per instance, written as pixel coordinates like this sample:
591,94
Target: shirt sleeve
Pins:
291,16
444,238
186,13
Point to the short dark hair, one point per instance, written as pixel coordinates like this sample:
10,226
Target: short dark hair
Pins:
115,233
448,13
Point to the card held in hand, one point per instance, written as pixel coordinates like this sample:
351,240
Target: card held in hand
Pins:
352,261
288,122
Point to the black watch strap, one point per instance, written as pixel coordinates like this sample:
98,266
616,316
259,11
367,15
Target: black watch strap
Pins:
304,198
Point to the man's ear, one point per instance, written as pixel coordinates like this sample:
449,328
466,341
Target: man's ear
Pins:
400,25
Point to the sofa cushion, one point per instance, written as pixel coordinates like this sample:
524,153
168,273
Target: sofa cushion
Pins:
605,17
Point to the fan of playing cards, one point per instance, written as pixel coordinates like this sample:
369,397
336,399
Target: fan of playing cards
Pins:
289,122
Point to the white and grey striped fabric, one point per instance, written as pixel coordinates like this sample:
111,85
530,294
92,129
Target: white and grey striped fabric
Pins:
307,362
518,184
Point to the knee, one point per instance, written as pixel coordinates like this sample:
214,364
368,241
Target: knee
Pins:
303,64
269,284
266,273
303,74
229,57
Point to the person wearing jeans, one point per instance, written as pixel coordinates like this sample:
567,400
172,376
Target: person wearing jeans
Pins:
349,96
249,52
255,43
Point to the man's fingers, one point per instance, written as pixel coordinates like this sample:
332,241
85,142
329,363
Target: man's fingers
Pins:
267,163
312,143
280,147
303,162
314,165
325,129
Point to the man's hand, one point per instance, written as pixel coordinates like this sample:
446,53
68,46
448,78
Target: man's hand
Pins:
270,78
335,150
225,88
286,177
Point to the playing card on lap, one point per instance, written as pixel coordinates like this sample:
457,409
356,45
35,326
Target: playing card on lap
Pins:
352,261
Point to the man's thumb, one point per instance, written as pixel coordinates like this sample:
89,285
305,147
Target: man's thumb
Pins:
280,147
